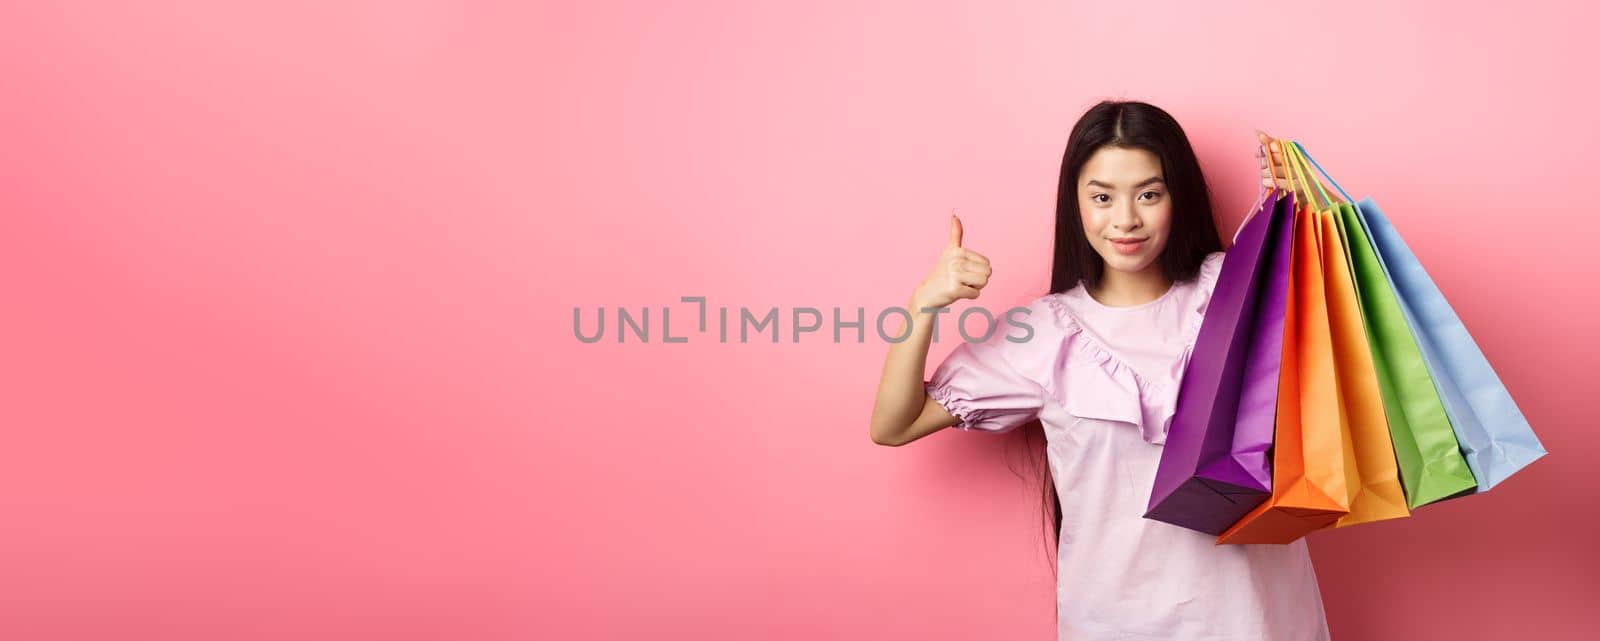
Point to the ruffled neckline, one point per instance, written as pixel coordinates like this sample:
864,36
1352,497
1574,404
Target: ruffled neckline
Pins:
1156,400
1084,295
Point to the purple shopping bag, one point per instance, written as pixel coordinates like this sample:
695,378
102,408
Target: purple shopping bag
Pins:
1214,466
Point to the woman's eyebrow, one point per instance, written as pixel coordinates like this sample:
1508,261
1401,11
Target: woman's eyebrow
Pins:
1147,181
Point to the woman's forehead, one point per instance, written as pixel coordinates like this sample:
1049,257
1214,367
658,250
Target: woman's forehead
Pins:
1117,167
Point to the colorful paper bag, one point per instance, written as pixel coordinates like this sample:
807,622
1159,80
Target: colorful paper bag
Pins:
1214,465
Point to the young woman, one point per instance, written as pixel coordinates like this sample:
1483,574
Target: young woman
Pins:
1136,258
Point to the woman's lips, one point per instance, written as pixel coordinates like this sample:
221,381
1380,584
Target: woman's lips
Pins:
1128,247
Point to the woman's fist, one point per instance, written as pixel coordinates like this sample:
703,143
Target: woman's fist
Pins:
960,273
1275,172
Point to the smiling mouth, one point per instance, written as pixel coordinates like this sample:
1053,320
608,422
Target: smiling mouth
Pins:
1128,246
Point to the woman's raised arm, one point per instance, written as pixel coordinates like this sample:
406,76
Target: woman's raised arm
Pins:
903,412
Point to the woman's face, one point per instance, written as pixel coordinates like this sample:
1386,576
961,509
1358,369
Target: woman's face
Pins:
1122,195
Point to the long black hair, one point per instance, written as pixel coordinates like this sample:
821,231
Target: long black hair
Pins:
1129,125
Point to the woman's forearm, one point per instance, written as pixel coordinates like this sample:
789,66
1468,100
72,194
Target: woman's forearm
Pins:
901,395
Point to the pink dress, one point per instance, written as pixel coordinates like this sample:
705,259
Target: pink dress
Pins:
1103,381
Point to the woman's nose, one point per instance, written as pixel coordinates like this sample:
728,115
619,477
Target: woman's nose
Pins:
1125,217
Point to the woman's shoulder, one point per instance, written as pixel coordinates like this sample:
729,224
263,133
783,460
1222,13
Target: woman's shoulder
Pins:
1197,299
1206,280
1032,321
1027,336
1210,267
1053,312
1046,331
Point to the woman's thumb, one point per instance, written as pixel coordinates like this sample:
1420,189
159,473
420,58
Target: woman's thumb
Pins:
955,231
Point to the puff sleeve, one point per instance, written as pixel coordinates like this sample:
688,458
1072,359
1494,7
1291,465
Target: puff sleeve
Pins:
979,384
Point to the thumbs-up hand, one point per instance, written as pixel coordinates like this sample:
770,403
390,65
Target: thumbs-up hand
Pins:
959,273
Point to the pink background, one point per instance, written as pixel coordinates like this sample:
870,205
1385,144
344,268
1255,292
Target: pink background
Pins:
288,293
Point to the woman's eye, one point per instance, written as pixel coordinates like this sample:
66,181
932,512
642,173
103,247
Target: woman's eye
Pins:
1153,194
1098,196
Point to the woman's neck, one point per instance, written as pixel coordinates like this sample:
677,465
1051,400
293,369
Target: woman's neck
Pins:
1125,289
